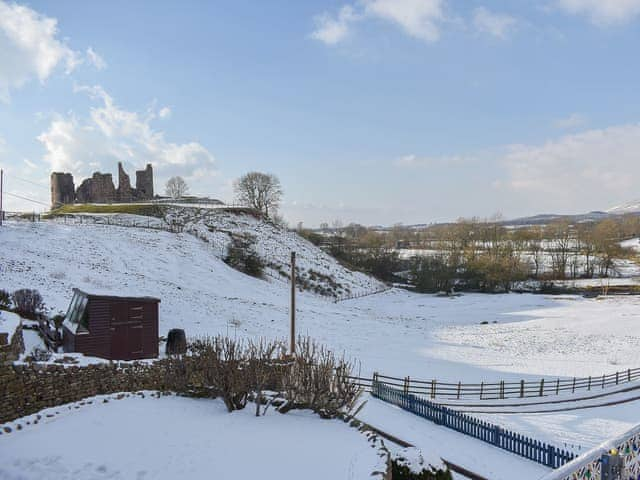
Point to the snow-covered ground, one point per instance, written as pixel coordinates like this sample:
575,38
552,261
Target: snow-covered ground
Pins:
397,333
174,437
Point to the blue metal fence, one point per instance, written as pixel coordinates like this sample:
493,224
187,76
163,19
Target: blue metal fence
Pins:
526,447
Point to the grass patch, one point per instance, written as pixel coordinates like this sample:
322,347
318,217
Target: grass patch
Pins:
131,208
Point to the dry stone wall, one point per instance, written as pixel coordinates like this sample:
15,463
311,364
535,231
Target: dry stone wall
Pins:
29,388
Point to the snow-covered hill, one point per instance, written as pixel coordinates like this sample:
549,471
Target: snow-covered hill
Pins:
630,207
316,271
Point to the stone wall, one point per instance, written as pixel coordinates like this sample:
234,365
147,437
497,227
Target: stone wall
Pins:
101,189
97,189
10,349
29,388
144,183
125,192
63,190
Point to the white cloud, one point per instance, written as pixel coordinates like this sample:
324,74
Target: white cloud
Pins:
574,120
29,47
417,18
603,12
95,59
496,24
332,30
111,134
591,169
165,112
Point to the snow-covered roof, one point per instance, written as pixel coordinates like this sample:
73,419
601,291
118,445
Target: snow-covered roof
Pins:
9,321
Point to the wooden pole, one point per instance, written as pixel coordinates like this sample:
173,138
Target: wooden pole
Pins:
293,303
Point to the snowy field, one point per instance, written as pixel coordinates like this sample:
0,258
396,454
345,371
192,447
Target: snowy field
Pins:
179,437
397,333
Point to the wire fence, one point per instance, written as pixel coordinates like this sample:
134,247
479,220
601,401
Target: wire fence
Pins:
363,294
495,435
500,390
149,223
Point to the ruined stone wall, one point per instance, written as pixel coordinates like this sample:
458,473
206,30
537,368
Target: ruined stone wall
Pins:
125,193
63,190
100,188
97,189
144,183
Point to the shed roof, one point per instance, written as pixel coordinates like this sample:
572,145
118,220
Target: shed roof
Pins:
144,299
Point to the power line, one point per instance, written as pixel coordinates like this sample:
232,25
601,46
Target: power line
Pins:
29,181
27,199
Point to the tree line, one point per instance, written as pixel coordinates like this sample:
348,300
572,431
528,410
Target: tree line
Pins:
484,255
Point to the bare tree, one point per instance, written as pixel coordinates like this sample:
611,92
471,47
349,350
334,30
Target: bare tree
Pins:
261,191
176,187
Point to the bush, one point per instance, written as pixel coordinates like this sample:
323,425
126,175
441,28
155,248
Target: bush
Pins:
403,472
318,380
241,255
5,300
28,303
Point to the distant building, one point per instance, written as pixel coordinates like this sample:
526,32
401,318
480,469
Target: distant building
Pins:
99,188
115,328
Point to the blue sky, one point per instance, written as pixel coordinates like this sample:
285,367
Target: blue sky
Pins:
373,111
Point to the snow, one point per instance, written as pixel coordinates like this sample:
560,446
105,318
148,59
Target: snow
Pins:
177,437
632,243
9,321
396,333
438,443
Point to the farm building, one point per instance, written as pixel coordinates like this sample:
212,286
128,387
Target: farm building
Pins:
115,328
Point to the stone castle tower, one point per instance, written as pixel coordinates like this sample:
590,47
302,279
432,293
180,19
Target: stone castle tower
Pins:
63,190
99,188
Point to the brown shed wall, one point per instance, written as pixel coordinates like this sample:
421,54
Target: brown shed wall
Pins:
119,329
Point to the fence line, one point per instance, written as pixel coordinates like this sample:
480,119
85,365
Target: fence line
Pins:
495,435
501,390
152,224
362,294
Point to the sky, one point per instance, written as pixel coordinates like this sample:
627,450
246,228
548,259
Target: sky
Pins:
368,111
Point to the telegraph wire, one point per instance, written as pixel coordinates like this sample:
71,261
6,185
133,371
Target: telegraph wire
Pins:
26,198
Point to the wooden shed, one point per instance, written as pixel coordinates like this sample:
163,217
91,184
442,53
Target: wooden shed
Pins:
111,327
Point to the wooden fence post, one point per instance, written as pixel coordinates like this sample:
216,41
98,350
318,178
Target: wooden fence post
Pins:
459,385
617,380
406,385
603,380
481,389
573,389
589,385
521,388
557,386
628,375
541,386
433,388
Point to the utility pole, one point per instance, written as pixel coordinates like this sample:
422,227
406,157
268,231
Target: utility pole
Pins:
1,211
293,303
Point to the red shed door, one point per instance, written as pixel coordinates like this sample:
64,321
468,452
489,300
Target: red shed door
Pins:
126,331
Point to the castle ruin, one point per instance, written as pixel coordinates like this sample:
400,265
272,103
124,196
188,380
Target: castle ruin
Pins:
99,188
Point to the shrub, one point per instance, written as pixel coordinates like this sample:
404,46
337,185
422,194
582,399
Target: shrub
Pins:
28,303
400,471
5,300
242,256
317,380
